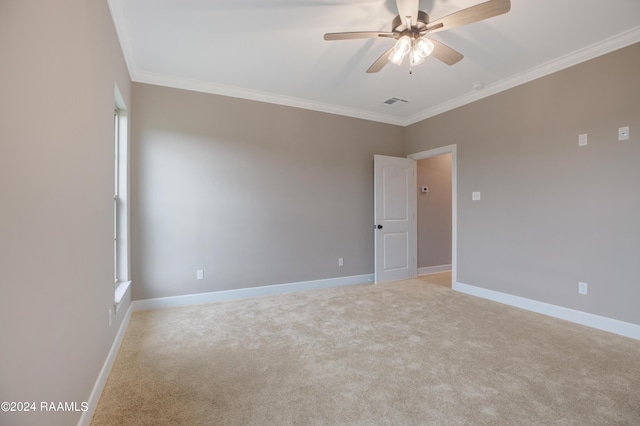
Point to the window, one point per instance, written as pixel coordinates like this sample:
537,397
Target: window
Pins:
120,202
116,120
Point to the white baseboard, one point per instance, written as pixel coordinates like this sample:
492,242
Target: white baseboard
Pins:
590,320
92,402
244,293
433,269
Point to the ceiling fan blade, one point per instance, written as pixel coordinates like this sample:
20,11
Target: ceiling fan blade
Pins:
408,11
381,61
355,35
444,53
472,14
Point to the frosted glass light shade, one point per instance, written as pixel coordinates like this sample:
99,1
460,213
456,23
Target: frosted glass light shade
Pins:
403,45
395,57
415,58
400,50
424,47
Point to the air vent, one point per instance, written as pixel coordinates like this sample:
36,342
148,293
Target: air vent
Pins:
395,102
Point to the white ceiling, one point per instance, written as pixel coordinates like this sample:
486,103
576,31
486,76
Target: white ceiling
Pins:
273,50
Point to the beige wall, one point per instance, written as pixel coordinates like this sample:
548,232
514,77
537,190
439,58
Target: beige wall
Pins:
60,61
253,193
434,211
552,213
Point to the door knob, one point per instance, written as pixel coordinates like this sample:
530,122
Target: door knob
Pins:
379,226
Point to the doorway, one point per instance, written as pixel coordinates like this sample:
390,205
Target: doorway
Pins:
431,236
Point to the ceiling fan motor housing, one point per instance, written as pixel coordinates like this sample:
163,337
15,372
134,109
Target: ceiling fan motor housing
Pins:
398,27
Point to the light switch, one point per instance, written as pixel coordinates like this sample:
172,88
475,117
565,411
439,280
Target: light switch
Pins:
582,140
200,274
475,196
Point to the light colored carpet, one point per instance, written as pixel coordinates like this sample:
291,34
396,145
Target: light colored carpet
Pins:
404,353
439,278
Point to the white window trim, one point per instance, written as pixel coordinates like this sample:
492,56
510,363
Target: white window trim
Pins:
121,289
121,203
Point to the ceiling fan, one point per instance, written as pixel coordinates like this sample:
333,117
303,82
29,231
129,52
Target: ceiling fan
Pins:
410,29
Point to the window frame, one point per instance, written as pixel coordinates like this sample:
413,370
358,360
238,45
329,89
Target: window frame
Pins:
121,249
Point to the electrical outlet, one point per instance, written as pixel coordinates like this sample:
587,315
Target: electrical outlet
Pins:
340,261
475,196
583,288
200,274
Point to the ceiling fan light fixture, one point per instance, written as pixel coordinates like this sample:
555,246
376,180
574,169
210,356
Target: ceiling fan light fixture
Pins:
423,46
400,50
415,57
396,58
403,45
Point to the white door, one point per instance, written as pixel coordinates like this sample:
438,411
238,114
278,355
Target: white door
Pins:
395,218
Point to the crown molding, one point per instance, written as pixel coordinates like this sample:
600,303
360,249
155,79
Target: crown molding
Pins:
255,95
119,22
